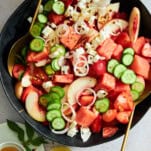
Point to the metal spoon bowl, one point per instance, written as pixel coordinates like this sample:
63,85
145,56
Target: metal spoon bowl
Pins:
20,43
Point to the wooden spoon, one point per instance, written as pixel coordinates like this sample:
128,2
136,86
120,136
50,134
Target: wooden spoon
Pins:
20,43
145,94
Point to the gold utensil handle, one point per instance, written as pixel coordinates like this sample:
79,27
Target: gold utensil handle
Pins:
127,131
35,14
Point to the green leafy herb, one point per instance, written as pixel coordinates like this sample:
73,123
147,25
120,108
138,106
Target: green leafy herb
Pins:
31,140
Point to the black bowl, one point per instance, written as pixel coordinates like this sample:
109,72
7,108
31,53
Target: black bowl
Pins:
16,26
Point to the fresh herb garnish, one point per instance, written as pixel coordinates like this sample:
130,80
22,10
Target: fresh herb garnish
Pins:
31,138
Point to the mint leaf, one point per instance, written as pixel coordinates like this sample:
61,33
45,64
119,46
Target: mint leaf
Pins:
16,128
29,131
38,141
27,148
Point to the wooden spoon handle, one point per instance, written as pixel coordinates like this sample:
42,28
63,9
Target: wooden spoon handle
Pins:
127,131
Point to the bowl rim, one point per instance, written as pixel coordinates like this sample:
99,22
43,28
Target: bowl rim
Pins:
26,117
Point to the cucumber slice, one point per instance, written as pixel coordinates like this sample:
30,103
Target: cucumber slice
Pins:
35,30
59,90
118,70
57,51
48,5
42,18
135,95
128,77
52,114
58,123
127,59
138,86
102,105
44,99
49,70
129,51
52,106
111,65
54,64
58,7
37,44
54,97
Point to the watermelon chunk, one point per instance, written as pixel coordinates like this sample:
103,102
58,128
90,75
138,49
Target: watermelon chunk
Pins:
85,117
71,39
140,66
108,82
124,40
118,52
121,87
107,48
138,45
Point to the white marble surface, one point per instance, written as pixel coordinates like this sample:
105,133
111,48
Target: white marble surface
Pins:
140,135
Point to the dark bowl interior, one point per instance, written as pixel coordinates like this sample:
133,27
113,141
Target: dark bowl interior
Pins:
15,27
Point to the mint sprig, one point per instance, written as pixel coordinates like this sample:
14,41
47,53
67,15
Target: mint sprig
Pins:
31,139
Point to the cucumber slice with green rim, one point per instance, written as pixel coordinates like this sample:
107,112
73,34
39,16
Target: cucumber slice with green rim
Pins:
57,51
127,59
54,97
44,99
52,106
42,18
58,123
37,44
111,65
49,70
59,90
129,51
138,86
135,95
52,114
118,70
55,65
35,30
128,77
102,105
48,5
58,7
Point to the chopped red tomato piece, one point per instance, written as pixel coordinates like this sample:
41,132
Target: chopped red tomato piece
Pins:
96,126
85,100
66,78
98,68
123,117
38,76
18,71
124,102
109,131
55,18
110,115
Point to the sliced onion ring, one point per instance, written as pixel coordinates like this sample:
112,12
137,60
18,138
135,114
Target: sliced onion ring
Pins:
92,91
60,132
80,27
72,110
62,30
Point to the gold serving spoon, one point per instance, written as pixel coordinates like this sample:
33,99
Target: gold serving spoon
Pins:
20,43
145,94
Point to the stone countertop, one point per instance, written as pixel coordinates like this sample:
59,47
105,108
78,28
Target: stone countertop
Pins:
139,137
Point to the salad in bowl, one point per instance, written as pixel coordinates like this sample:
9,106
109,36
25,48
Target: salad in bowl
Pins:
83,68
